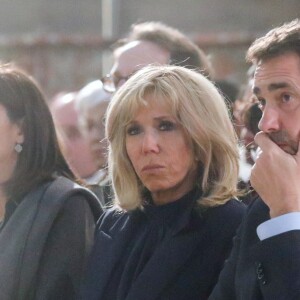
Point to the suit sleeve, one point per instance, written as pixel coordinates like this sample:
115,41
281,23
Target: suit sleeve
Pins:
279,262
66,250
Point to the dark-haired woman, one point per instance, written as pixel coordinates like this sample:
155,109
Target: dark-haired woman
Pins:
47,220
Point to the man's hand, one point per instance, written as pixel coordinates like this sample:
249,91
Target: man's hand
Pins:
276,177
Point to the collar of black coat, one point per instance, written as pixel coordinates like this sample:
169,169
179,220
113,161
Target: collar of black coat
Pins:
181,215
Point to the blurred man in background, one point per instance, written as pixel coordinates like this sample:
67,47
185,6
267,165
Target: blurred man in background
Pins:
75,146
91,104
153,43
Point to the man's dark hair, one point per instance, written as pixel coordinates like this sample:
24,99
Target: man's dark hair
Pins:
279,40
251,117
230,91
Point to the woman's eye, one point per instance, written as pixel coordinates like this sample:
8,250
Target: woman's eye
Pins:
133,130
166,126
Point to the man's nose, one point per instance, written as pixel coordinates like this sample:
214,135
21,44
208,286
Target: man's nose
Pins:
150,143
269,121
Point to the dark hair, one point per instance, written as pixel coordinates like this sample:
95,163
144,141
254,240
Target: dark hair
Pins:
251,117
41,158
277,41
229,91
183,52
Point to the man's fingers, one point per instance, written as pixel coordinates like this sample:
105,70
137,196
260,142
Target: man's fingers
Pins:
298,152
263,141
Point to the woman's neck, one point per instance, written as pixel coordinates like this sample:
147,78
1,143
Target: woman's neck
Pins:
168,196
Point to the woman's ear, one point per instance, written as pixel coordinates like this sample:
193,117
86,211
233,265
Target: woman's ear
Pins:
20,132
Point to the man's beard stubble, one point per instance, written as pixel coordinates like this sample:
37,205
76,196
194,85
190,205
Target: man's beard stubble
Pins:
282,137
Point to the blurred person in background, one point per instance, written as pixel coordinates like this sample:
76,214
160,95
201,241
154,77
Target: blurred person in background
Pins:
230,91
251,117
248,151
91,104
47,220
245,122
243,97
173,161
153,43
75,147
237,103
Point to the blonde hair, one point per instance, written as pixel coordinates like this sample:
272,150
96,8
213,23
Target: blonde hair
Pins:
203,114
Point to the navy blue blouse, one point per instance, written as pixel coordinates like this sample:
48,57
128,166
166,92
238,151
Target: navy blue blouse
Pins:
158,224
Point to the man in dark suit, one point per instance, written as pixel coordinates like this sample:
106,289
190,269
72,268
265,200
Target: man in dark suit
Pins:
265,260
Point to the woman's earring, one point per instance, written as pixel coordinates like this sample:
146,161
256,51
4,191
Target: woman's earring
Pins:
18,148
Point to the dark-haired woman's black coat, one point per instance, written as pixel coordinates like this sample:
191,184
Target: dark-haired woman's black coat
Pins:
45,240
185,265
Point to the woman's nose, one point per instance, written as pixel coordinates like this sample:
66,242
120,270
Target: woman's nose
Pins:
150,143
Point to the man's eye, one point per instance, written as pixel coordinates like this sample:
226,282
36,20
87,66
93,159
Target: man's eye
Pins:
133,130
286,97
166,126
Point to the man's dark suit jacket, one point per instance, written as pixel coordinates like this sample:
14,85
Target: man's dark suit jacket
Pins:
185,265
268,269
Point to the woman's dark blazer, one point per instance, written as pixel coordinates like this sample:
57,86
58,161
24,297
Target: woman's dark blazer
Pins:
185,265
257,270
46,241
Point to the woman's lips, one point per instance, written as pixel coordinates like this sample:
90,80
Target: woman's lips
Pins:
151,168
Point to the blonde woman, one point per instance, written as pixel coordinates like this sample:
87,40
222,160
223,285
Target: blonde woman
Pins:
173,161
